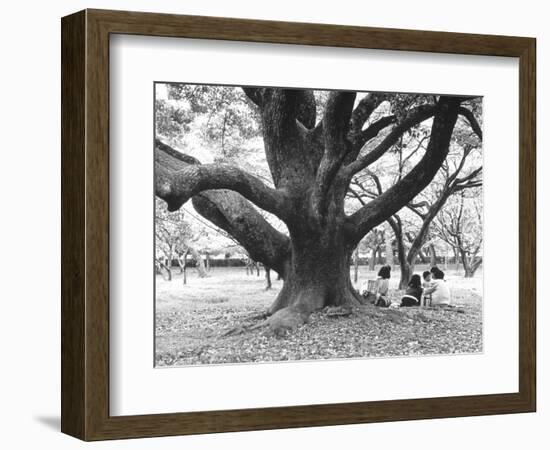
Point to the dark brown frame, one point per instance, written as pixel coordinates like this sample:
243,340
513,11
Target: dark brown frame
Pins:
85,224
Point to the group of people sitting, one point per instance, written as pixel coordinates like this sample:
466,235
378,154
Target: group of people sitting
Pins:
433,291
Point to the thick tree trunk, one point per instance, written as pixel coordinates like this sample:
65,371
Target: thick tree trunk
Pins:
318,275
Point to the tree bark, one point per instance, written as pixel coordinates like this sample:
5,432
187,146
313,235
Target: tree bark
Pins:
318,276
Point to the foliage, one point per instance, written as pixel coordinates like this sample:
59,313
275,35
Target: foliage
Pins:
218,117
461,226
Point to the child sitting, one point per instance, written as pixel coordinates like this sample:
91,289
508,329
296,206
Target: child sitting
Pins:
413,294
427,276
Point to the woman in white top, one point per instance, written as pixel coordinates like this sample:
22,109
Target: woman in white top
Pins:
440,292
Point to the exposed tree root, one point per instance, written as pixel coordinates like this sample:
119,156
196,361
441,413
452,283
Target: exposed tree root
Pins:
339,311
241,329
282,321
288,319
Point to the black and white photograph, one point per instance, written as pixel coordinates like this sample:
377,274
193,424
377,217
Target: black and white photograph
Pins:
304,224
271,225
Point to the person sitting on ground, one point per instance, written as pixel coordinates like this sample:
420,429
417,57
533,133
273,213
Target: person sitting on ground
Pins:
413,294
427,283
383,286
440,292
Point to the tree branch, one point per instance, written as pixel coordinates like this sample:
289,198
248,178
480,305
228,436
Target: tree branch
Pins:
372,131
391,201
175,188
469,116
255,95
363,111
416,116
234,214
471,177
285,134
336,120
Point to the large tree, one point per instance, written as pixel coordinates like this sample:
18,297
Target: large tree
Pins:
312,164
175,239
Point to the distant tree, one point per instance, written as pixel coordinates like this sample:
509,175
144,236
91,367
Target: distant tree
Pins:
268,283
460,225
388,246
373,241
221,115
461,170
174,240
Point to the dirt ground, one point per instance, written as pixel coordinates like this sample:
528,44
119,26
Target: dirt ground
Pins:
191,320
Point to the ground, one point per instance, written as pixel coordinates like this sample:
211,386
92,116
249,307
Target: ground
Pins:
191,321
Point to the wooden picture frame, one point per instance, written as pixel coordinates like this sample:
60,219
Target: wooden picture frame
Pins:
85,224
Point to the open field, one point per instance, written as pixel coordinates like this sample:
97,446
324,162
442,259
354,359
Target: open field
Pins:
191,319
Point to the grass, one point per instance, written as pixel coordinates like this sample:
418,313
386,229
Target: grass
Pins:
190,320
